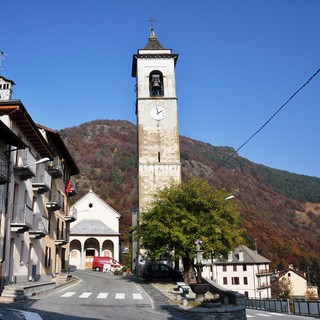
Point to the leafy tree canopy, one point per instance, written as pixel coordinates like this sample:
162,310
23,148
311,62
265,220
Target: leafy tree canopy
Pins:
183,213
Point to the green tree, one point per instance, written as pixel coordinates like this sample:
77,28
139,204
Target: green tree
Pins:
183,213
285,288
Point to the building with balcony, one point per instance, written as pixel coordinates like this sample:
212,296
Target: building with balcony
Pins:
95,232
35,170
244,270
62,168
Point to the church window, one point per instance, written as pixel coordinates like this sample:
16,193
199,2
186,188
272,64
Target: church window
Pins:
156,83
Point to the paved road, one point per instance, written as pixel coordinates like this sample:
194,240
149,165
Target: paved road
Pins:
101,296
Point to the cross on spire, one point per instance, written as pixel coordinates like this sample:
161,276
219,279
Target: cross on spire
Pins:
151,20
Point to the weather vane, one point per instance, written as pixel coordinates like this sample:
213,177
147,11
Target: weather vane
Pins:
151,20
2,57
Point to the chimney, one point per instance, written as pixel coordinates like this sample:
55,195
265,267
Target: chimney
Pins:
5,88
240,255
230,256
291,266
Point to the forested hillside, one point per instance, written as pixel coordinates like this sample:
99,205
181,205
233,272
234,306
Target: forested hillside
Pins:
280,210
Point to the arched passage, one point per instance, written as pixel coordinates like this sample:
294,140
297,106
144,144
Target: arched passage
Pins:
91,249
75,253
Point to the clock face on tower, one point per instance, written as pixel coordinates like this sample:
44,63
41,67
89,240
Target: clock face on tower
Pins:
158,113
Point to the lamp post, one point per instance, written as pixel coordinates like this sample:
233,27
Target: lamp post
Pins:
43,160
212,264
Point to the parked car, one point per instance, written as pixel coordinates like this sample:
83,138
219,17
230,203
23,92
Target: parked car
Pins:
160,271
103,263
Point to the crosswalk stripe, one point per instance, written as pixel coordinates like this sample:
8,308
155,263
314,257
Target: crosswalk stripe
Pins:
102,295
68,294
137,296
85,295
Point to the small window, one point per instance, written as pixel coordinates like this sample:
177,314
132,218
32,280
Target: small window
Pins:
244,267
245,280
235,280
234,267
21,251
48,257
224,268
225,280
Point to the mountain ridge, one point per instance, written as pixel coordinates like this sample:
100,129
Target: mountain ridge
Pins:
277,208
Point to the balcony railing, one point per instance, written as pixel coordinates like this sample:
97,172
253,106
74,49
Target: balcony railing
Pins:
42,181
72,215
40,226
264,272
56,200
22,218
72,188
55,168
264,285
62,236
21,167
3,169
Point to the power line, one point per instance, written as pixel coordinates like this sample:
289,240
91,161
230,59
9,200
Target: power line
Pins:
254,134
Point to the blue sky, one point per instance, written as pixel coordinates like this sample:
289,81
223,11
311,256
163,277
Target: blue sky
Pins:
239,61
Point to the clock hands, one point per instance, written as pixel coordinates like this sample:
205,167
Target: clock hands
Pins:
158,112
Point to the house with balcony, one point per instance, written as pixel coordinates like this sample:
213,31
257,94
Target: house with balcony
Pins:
244,270
8,139
34,200
62,169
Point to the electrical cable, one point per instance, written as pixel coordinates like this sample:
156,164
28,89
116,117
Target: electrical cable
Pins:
255,133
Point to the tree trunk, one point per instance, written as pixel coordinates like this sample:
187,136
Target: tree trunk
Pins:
189,271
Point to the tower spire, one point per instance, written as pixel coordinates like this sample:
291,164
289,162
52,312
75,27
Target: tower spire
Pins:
153,43
152,34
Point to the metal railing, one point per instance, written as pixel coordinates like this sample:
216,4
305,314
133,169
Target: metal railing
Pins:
297,307
22,215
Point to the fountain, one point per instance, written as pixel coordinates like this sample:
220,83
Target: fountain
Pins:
200,288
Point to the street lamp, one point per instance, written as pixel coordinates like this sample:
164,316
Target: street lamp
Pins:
212,264
43,160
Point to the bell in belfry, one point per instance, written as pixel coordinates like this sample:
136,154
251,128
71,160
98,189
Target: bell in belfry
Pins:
155,85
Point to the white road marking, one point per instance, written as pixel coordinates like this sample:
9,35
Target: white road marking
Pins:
102,295
68,294
85,295
262,315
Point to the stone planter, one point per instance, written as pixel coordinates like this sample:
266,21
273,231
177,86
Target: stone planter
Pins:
200,289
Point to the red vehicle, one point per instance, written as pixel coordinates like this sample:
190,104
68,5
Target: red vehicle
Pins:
106,263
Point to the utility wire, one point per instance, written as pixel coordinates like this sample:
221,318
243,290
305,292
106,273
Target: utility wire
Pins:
254,134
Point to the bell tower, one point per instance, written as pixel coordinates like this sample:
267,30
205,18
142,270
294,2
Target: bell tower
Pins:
157,119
